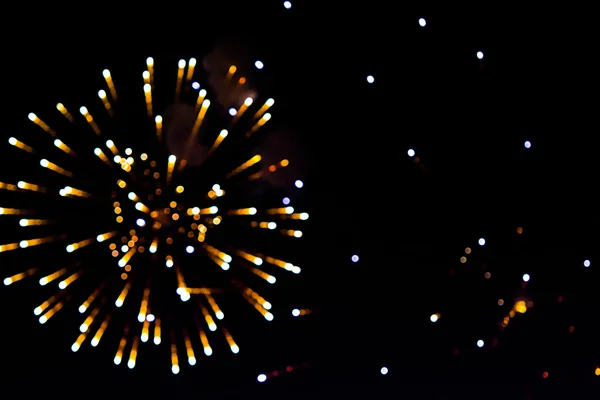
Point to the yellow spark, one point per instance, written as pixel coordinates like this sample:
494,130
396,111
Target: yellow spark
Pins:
90,120
110,83
36,120
20,145
244,166
63,110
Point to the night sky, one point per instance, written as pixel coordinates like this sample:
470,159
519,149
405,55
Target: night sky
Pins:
408,172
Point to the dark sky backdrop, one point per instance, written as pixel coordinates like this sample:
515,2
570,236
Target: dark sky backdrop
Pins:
466,119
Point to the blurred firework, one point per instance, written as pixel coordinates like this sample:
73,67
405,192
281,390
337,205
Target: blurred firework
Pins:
154,212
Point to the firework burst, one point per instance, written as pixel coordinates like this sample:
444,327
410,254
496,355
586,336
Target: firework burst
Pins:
179,237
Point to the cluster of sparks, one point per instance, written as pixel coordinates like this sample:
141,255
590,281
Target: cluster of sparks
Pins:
126,240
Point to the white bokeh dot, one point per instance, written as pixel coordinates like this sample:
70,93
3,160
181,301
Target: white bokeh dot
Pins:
480,343
587,263
189,249
299,183
287,5
196,85
526,277
232,112
286,201
370,79
481,241
422,22
480,55
527,144
411,153
259,64
354,258
384,371
261,378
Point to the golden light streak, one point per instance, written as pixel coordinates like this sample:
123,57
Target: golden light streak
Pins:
34,222
243,211
63,110
9,246
65,283
133,353
200,118
266,314
261,274
58,143
102,156
189,349
30,186
230,72
42,307
20,145
96,339
190,71
174,358
203,211
146,77
53,276
264,108
122,344
244,166
158,120
90,120
291,232
150,64
154,245
201,96
224,265
10,187
205,344
145,331
133,197
57,307
148,95
122,184
142,207
249,257
180,72
222,135
258,124
51,166
232,345
121,299
171,167
36,242
79,245
144,304
110,83
20,276
281,264
157,338
208,318
264,224
127,256
281,210
258,298
36,120
105,102
106,236
215,307
69,191
78,342
301,216
247,103
89,320
86,304
112,147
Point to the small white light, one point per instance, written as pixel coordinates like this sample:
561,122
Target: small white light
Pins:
195,85
286,201
370,79
287,5
259,65
140,222
410,152
299,184
526,278
262,377
480,55
527,144
355,258
480,343
232,112
433,318
189,249
295,312
422,22
150,318
384,371
587,263
481,241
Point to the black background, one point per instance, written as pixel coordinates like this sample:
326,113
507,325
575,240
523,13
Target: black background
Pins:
467,120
